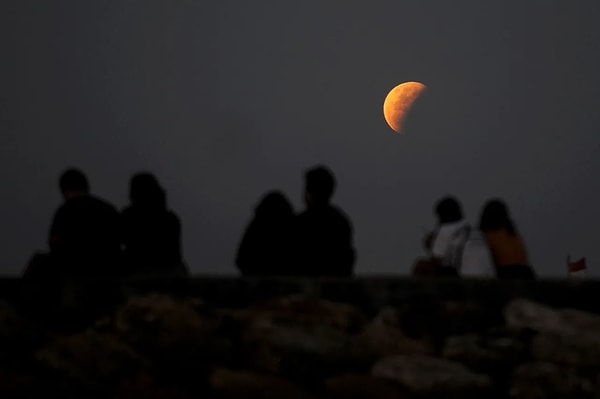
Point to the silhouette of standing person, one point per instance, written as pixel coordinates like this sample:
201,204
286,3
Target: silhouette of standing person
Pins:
84,234
151,233
265,249
506,245
324,232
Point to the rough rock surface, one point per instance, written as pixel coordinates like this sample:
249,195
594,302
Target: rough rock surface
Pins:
427,375
547,380
438,344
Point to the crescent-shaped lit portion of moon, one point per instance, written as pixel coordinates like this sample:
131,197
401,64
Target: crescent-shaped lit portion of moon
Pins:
398,103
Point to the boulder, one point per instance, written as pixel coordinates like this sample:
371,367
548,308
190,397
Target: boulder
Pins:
581,351
19,384
92,360
485,353
301,350
341,316
183,343
424,375
146,385
526,314
171,332
383,336
360,386
541,380
430,317
564,336
243,384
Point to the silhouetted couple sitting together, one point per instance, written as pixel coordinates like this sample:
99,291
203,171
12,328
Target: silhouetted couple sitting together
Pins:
90,238
455,248
316,242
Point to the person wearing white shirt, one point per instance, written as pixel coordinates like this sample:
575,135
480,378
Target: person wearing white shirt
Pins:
455,248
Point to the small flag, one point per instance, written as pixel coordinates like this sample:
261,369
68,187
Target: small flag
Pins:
577,265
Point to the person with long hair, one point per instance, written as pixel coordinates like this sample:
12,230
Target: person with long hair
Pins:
505,243
265,248
151,233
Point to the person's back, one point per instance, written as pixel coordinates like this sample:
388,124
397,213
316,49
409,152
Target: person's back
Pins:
151,233
476,259
324,232
84,235
506,245
265,248
508,249
325,246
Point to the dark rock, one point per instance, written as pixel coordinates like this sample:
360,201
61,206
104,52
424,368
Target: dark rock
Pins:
485,353
546,380
242,384
429,318
18,384
565,336
304,308
94,361
304,351
361,386
384,336
523,313
183,343
165,329
578,351
424,375
146,385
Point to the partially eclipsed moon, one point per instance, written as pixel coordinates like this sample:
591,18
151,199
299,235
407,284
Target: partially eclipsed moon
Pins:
398,103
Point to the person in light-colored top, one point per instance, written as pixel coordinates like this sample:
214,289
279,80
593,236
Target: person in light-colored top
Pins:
456,249
506,245
477,259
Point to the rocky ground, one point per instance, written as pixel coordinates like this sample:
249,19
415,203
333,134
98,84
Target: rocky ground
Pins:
297,345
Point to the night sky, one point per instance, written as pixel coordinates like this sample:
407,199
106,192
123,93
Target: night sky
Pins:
226,99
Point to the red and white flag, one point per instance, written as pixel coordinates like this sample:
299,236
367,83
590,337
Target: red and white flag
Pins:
576,266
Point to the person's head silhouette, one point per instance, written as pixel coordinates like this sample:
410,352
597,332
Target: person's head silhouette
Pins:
448,210
274,205
73,183
495,216
319,186
145,191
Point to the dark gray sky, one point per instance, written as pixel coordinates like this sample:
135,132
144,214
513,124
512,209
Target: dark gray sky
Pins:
227,99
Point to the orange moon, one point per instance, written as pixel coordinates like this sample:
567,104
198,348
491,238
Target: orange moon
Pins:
398,102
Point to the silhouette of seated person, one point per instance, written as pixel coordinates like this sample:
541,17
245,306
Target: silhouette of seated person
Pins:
84,234
151,233
446,242
265,249
324,232
505,243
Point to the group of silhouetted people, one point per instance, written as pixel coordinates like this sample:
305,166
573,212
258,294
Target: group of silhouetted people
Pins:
315,242
89,238
457,249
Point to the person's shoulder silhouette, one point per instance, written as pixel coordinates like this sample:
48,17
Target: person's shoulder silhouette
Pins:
84,235
324,231
265,248
151,233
